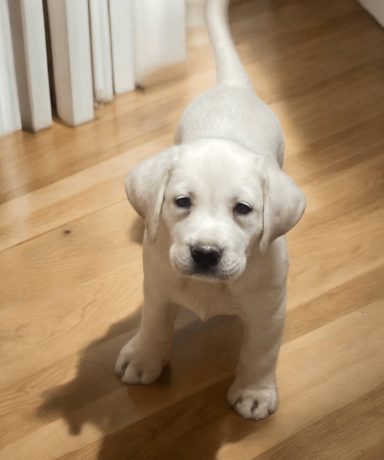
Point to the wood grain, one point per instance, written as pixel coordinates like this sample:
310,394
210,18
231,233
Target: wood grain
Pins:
71,270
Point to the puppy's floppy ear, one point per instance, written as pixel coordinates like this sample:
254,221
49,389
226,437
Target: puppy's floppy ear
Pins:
284,204
145,186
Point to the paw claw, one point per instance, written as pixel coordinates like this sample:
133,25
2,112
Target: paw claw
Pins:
238,401
120,371
254,405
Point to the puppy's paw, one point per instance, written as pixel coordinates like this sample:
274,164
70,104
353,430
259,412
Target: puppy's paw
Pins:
138,366
253,403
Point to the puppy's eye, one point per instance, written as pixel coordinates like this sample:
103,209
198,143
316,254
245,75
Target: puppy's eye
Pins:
242,208
183,202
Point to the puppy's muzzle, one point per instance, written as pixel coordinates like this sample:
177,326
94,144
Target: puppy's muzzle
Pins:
205,256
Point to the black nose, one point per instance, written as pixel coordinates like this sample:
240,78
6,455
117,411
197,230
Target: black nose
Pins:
205,256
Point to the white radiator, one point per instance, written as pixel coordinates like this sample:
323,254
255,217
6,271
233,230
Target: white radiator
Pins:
100,48
9,102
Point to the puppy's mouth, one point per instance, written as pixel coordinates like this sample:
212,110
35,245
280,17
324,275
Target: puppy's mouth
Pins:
207,274
212,275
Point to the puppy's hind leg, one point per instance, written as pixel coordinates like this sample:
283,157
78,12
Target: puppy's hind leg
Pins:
142,359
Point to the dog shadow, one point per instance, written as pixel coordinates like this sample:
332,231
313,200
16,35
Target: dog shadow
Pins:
136,231
199,422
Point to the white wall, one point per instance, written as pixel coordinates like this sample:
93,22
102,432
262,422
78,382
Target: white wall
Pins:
160,37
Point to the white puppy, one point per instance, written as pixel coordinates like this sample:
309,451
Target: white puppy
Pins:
216,207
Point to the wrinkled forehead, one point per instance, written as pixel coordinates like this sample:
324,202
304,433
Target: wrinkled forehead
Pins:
217,170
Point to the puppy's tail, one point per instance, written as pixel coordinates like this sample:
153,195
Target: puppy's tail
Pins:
230,70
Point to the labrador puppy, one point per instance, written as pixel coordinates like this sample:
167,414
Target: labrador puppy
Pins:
216,207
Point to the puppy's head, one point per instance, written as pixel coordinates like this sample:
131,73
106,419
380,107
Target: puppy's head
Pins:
217,200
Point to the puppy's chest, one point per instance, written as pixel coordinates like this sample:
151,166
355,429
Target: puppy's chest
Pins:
204,298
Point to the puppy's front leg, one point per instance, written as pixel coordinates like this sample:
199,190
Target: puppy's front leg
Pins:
254,393
142,359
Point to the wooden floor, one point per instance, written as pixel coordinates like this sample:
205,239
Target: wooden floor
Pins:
71,271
